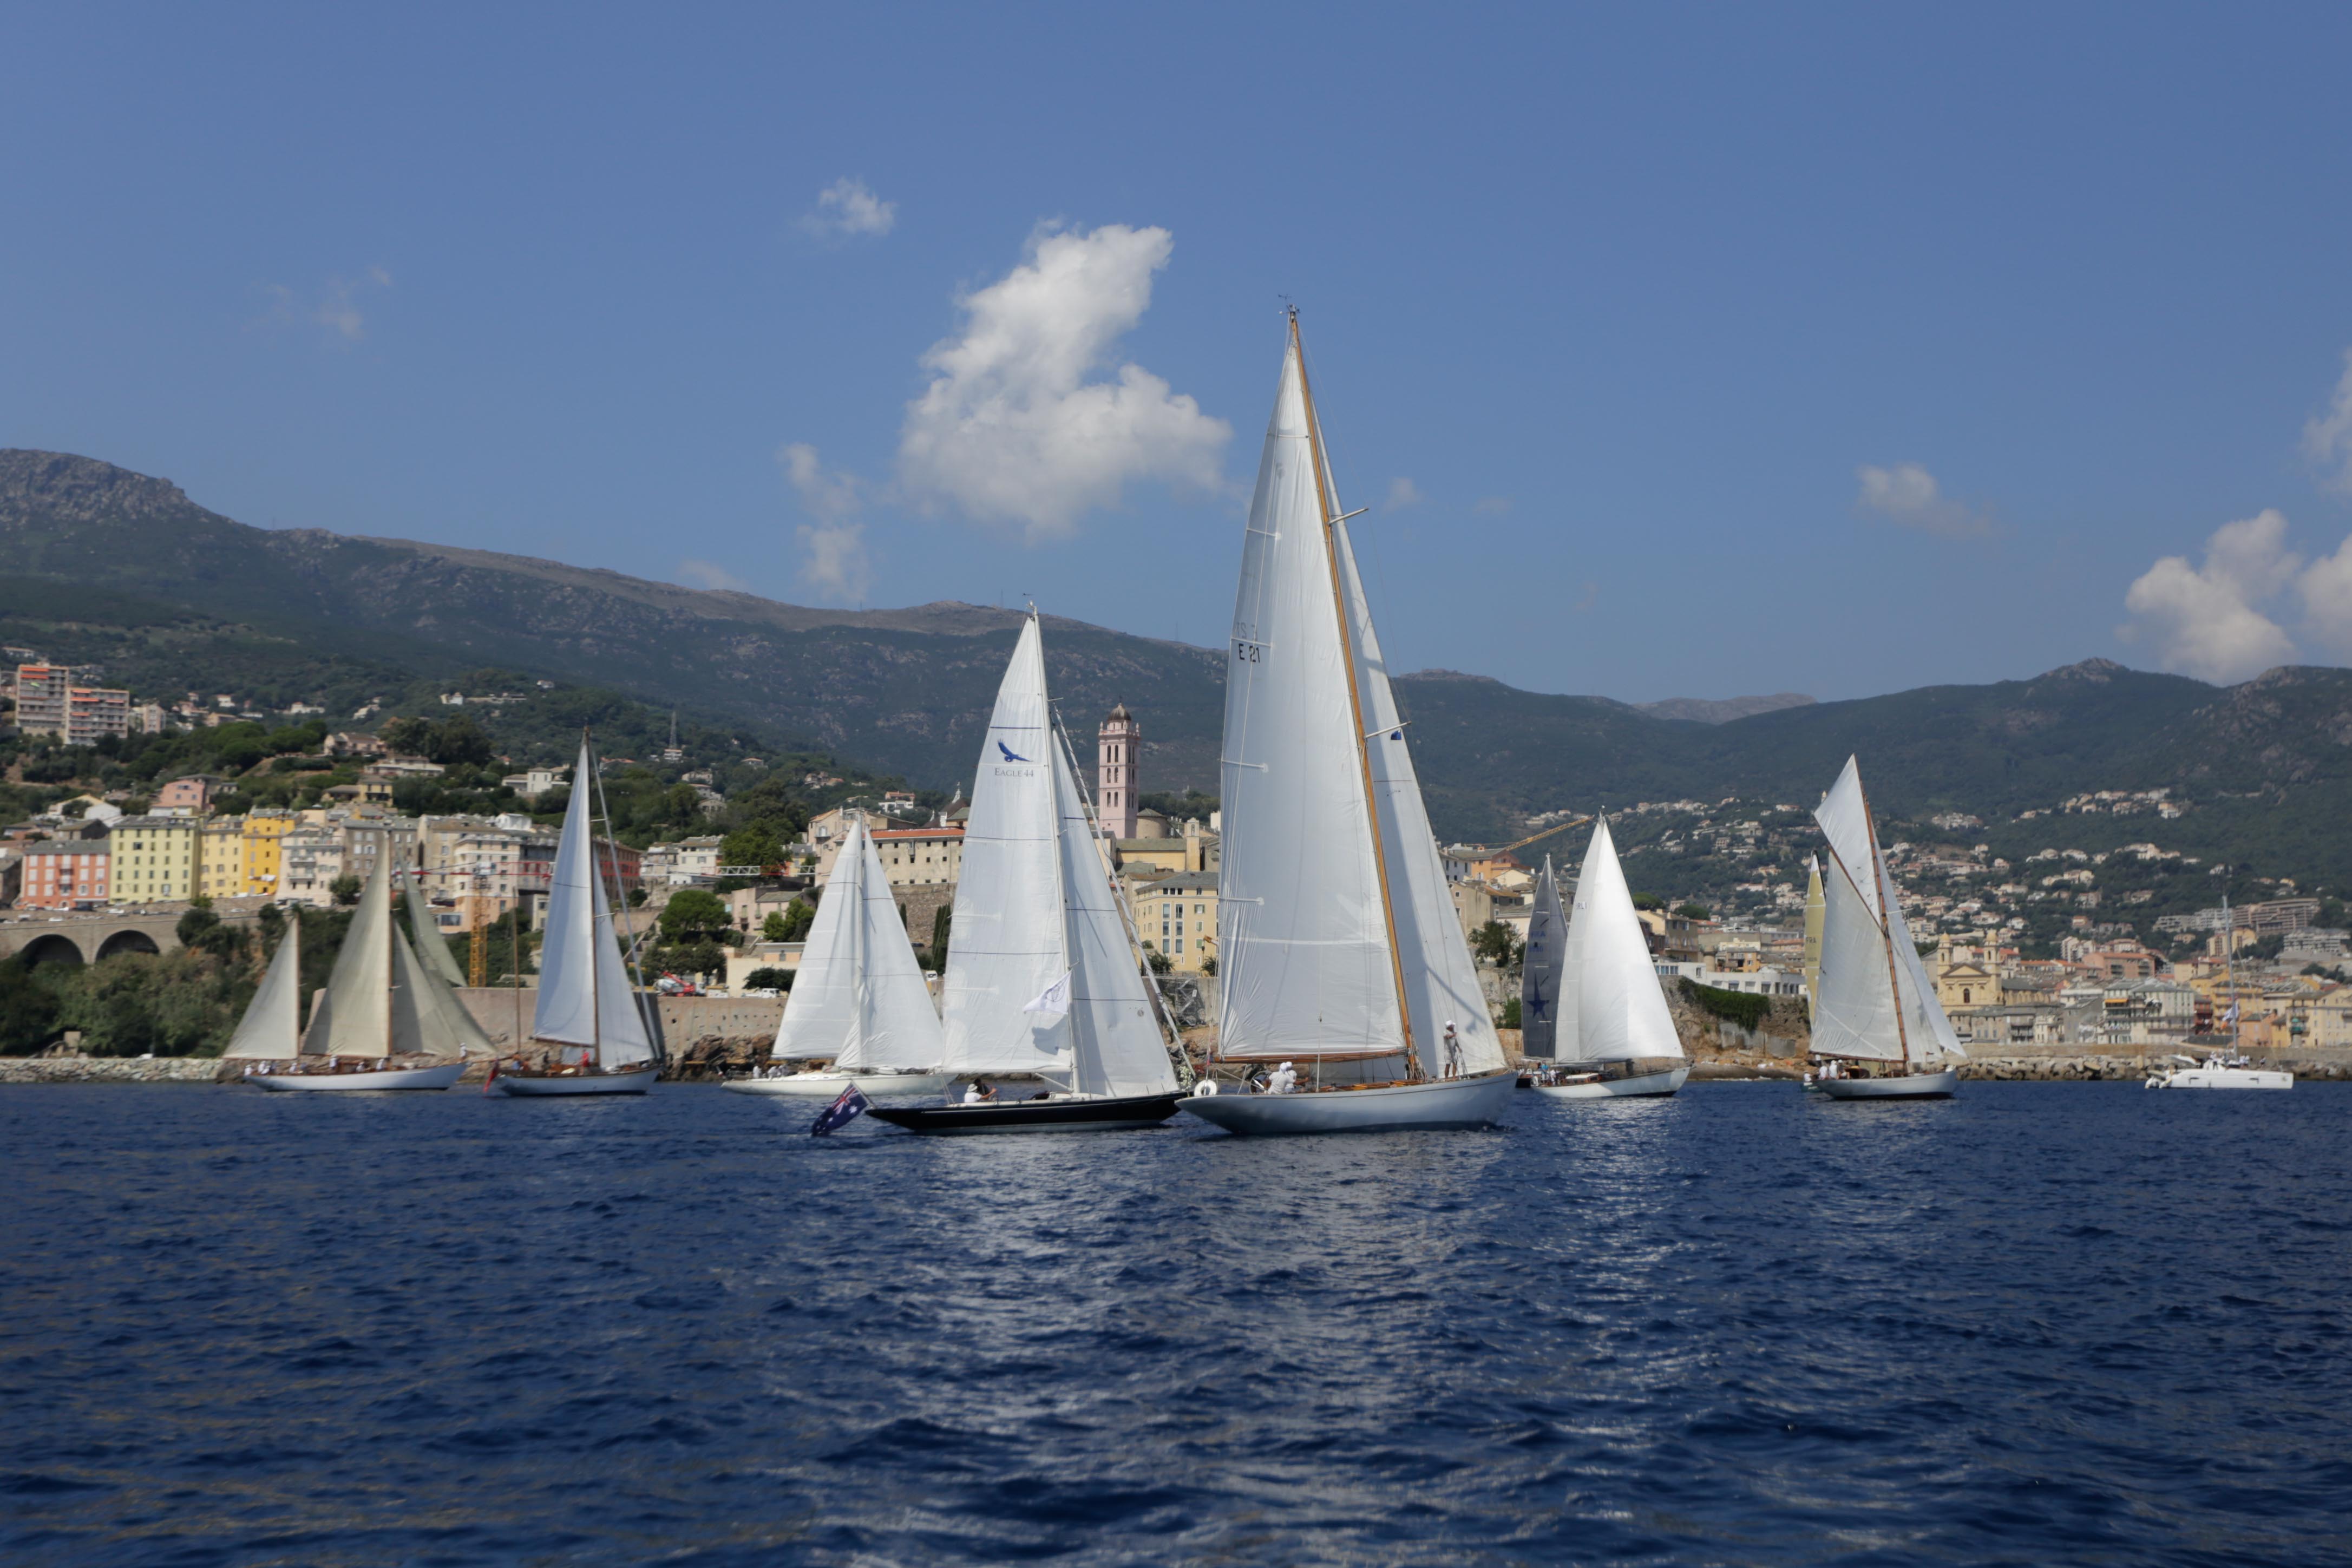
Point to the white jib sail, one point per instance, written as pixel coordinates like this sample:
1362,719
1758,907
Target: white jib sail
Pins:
1116,1048
584,995
427,1016
356,1018
859,995
1569,1044
1928,1032
271,1027
431,946
1007,940
1621,1014
1302,940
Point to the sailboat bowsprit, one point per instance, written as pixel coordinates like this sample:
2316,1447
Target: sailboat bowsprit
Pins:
1337,942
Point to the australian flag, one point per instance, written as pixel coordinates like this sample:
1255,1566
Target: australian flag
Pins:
852,1104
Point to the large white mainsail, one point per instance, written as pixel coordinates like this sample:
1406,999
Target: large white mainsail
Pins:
1116,1044
1304,953
859,995
271,1027
584,995
431,946
1009,942
1621,1014
1874,1001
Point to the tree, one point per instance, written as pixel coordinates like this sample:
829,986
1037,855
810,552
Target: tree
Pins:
1510,1012
694,914
1648,901
197,923
1161,962
799,916
754,845
772,929
768,979
1693,910
1492,943
344,890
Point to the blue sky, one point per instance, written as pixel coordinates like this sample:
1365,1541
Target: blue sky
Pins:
1678,351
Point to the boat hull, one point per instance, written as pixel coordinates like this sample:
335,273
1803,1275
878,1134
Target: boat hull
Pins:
1441,1105
2224,1078
830,1084
627,1081
1106,1114
1646,1086
1911,1086
439,1076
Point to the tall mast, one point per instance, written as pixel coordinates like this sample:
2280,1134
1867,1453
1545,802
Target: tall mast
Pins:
595,1001
1329,505
1061,872
1886,923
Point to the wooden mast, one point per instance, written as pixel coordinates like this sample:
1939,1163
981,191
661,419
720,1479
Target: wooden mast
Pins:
1886,925
595,1002
1328,504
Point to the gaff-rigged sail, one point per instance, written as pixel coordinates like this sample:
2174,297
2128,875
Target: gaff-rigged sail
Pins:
1539,972
584,994
1874,1000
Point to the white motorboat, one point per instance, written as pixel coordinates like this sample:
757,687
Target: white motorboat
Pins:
859,997
587,1009
2219,1071
1043,975
1874,1005
1615,1036
1632,1086
355,1079
830,1084
1337,943
1446,1104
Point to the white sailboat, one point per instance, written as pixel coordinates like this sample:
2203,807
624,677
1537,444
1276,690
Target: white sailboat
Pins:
2230,1067
1616,1036
1337,943
1042,975
859,997
1875,1005
270,1032
587,1009
384,1021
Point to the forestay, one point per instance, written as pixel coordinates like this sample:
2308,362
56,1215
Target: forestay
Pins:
584,995
1303,946
1116,1044
858,997
271,1029
1621,1014
1540,971
1008,944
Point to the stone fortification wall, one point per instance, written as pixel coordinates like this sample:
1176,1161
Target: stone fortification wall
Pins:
696,1031
109,1069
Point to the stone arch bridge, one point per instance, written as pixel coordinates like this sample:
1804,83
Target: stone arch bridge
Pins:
78,939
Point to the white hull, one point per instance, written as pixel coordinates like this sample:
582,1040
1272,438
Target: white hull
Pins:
1445,1103
1914,1086
629,1081
437,1077
830,1084
2224,1078
1648,1085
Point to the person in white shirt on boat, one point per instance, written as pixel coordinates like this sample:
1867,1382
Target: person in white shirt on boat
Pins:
979,1091
1453,1050
1284,1081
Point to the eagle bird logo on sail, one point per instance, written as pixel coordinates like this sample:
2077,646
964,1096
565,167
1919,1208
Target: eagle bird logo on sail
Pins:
1010,755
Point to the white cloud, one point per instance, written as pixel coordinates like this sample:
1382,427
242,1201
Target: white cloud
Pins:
1493,506
1403,493
2328,438
2325,590
833,551
1908,496
336,308
1012,431
710,574
2204,620
846,208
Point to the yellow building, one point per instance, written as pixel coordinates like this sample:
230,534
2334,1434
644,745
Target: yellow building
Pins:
155,858
262,831
1177,915
220,857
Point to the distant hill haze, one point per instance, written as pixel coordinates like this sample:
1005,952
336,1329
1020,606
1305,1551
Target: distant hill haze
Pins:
908,690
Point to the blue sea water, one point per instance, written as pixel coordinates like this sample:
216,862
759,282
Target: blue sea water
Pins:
2036,1325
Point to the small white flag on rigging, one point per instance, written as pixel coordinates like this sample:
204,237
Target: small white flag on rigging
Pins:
1055,999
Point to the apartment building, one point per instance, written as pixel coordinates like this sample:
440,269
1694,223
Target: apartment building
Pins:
1177,915
50,702
65,873
154,859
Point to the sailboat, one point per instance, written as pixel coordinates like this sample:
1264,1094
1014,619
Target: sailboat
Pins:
1042,976
1875,1005
1814,901
271,1030
587,1007
1617,1038
381,1012
858,997
2230,1067
431,946
1337,936
1539,970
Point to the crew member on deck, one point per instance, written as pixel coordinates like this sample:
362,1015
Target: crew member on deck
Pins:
1285,1081
1453,1052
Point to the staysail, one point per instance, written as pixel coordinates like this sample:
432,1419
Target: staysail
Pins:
1539,972
1621,1014
431,946
1332,899
271,1027
859,995
1116,1044
1011,945
584,994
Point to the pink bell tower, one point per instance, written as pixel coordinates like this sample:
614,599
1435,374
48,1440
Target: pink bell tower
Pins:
1114,748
